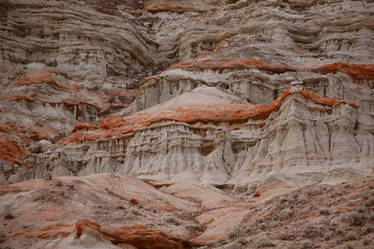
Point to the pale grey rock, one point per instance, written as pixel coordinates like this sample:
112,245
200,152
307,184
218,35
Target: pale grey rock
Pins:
36,148
301,143
40,146
84,241
15,178
3,180
74,39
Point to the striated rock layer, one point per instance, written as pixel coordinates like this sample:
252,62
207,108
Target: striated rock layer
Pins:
299,138
178,124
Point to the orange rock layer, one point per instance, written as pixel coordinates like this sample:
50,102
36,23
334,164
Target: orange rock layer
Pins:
83,126
138,236
8,127
44,76
9,149
25,133
37,77
355,71
37,132
141,237
11,129
229,113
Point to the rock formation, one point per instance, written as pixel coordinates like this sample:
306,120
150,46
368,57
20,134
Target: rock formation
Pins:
205,137
220,112
238,97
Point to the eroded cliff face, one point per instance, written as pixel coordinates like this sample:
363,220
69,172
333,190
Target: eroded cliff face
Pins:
210,92
203,112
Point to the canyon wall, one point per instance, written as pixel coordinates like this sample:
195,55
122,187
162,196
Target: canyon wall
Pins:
222,93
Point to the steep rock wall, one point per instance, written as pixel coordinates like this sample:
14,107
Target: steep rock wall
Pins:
301,138
201,91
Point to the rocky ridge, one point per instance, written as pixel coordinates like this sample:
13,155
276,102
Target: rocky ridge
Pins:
245,99
136,62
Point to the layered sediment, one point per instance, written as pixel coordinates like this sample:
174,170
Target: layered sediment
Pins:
299,138
177,124
209,92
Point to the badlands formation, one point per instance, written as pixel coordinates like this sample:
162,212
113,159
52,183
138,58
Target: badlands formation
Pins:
186,124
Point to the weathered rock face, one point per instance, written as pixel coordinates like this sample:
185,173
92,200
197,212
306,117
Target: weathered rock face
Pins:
225,93
74,39
202,112
300,138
